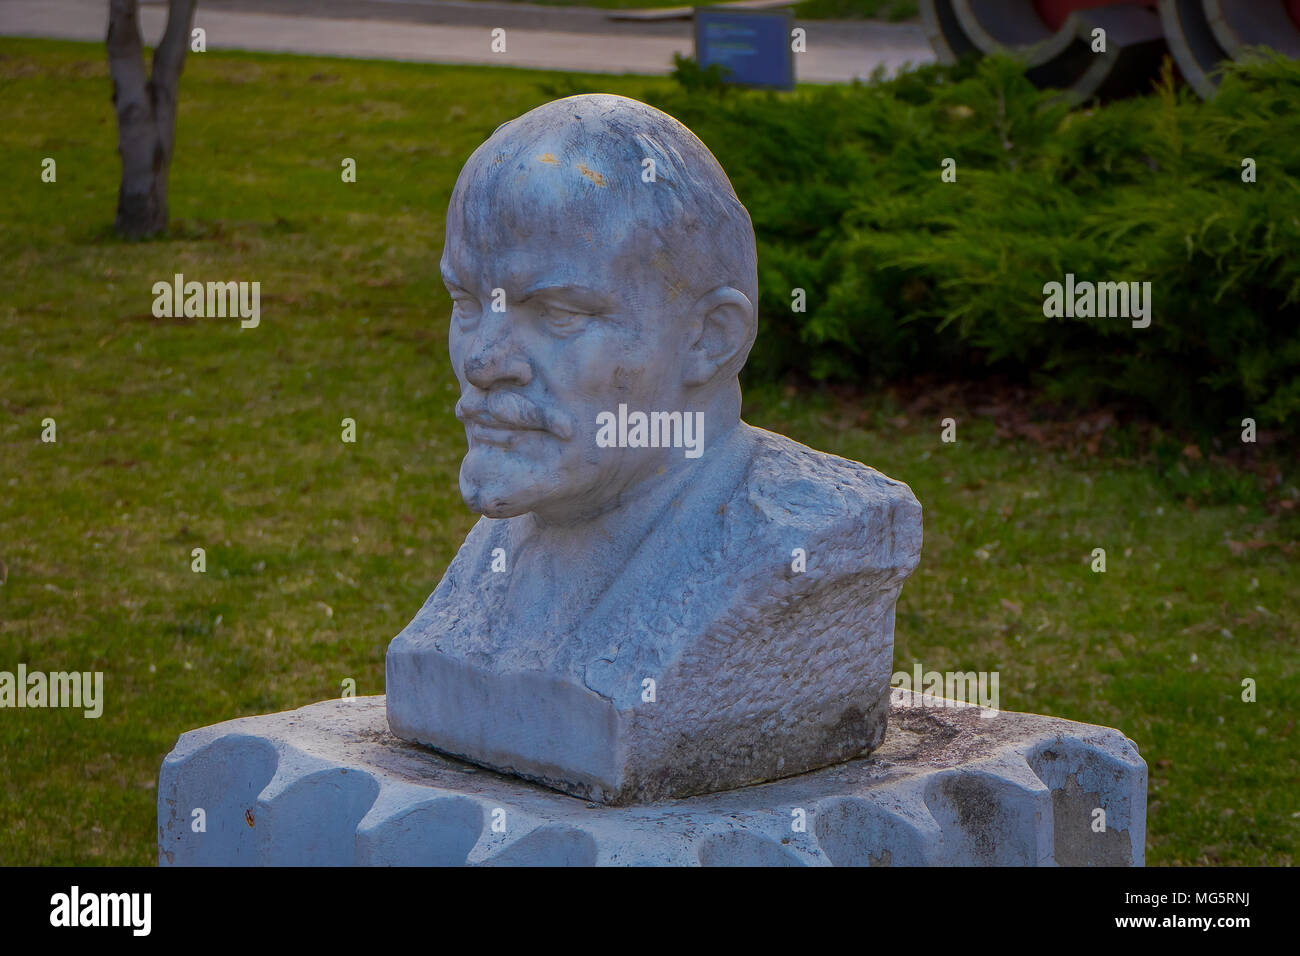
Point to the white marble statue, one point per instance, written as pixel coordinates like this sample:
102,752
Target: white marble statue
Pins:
659,600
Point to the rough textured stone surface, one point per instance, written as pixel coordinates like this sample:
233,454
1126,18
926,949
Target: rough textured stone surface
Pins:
330,785
759,671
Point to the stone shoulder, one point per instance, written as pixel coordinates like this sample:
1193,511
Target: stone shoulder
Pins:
793,492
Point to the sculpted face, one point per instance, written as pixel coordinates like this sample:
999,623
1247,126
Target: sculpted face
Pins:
565,307
582,328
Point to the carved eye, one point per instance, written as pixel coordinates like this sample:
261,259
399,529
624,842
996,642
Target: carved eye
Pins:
465,310
564,321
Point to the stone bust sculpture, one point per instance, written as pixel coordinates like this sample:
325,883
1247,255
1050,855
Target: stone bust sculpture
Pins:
659,600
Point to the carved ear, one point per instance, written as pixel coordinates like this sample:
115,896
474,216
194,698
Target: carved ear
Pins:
722,330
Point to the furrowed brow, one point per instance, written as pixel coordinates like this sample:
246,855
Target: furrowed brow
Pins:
580,296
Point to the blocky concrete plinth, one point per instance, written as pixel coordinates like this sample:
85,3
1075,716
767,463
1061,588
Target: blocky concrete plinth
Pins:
330,785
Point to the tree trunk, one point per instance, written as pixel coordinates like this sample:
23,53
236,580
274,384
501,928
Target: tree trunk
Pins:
146,111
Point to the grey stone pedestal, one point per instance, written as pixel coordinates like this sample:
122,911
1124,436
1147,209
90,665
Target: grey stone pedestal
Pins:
330,785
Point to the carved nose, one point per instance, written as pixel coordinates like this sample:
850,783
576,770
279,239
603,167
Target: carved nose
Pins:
496,360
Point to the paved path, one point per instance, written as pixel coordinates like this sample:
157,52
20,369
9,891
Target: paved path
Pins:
446,31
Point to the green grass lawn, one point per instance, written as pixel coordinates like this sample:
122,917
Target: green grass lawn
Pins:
177,434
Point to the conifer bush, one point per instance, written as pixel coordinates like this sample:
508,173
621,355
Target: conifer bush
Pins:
904,273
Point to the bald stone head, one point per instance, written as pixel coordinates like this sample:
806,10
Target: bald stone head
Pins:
597,256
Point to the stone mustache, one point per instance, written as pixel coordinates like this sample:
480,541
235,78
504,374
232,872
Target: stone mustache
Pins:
627,623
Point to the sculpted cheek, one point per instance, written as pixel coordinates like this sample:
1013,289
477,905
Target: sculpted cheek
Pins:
625,378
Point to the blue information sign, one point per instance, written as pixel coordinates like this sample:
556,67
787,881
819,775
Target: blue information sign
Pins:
753,45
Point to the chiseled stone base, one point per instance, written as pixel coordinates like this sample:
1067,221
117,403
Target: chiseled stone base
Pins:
330,785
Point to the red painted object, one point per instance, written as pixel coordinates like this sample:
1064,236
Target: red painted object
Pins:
1056,12
1199,35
